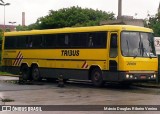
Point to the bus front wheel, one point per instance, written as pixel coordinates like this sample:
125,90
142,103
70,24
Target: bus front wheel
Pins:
36,74
96,76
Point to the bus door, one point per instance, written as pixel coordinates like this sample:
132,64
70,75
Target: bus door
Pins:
113,56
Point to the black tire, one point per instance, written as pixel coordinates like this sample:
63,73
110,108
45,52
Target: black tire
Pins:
36,74
25,72
96,76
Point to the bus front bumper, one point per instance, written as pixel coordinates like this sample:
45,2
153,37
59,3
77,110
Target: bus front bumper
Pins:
129,76
137,76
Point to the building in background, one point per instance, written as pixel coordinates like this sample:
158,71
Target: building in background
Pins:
8,27
12,27
123,19
159,8
23,18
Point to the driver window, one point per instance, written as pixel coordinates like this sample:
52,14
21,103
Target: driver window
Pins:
113,46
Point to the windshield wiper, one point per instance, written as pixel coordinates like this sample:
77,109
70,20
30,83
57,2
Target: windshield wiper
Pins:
127,48
136,54
139,50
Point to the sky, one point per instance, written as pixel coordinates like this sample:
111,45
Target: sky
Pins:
37,8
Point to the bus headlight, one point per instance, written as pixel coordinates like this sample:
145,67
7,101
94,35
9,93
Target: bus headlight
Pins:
127,75
154,75
131,76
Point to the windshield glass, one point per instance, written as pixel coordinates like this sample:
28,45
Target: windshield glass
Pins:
137,44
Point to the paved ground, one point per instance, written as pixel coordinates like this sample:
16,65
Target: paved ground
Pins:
75,93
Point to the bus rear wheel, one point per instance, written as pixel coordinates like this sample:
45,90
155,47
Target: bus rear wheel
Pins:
96,76
25,72
36,74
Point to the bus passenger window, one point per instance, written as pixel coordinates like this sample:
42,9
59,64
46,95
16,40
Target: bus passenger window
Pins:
30,44
61,40
90,43
66,42
10,42
50,40
29,41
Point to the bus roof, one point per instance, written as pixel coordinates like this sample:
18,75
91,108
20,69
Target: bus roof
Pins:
80,29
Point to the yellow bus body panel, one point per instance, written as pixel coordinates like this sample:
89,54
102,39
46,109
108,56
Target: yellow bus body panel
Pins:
138,64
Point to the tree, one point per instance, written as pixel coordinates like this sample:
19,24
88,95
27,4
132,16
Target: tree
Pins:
21,28
1,34
71,17
153,22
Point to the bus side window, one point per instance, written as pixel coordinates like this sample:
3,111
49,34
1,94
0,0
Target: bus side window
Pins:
66,40
90,43
29,42
113,45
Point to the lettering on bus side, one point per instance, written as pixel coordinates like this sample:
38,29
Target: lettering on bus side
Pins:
70,52
131,63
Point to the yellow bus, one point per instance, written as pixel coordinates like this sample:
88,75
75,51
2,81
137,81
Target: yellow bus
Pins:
109,53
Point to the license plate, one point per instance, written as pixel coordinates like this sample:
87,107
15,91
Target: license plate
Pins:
143,77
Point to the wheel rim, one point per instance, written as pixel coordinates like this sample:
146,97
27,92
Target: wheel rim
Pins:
36,74
96,76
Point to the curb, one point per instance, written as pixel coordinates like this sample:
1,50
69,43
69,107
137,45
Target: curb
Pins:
10,75
147,85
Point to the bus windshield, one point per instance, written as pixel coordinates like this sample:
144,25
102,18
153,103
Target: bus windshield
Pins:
137,44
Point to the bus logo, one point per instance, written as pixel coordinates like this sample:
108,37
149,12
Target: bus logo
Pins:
18,59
